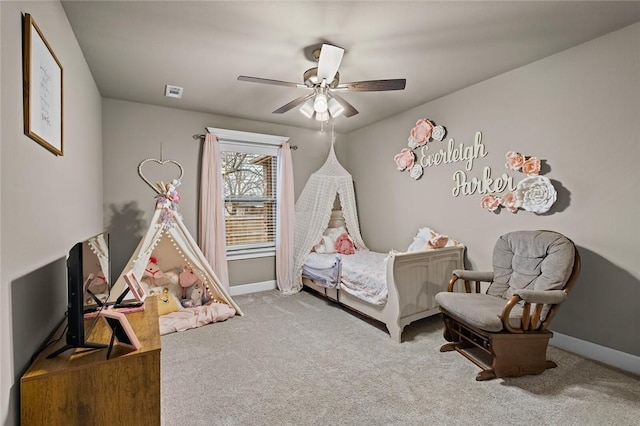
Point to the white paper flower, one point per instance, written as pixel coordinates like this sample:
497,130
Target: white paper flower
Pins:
416,171
438,133
413,143
535,194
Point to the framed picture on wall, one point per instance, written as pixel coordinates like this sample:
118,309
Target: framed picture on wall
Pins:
42,89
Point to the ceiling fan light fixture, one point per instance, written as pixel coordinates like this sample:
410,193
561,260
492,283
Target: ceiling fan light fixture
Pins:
335,109
322,116
320,104
307,108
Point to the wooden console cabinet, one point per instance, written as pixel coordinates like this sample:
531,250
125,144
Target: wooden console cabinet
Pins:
83,387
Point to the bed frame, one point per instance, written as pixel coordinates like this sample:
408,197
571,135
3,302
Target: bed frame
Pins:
413,279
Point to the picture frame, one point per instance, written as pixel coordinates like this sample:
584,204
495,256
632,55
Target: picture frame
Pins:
123,333
135,286
42,89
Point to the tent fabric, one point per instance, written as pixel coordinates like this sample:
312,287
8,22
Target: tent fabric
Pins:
313,210
169,240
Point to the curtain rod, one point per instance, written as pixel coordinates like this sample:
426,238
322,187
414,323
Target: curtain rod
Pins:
201,137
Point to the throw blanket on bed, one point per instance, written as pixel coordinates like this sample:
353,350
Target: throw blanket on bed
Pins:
364,276
324,269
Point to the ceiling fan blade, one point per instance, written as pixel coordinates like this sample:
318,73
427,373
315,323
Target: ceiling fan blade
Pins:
349,110
294,103
373,85
269,81
329,62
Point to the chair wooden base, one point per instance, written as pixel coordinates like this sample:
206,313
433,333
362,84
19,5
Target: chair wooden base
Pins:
511,354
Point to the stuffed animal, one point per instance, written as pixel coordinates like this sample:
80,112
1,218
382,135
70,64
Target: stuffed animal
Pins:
437,241
166,301
152,274
97,283
344,245
179,279
195,299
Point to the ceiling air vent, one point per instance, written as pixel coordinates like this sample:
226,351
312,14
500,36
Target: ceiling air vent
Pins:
173,91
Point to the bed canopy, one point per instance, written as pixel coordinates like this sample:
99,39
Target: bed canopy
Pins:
313,211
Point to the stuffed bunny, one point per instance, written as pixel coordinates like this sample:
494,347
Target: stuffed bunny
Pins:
197,292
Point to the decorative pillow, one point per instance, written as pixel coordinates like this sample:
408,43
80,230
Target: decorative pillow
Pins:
328,242
167,301
420,240
428,239
344,245
334,233
326,245
437,241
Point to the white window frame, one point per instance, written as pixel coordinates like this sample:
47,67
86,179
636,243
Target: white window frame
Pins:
257,143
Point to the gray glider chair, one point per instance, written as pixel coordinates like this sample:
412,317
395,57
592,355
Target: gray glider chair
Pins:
505,330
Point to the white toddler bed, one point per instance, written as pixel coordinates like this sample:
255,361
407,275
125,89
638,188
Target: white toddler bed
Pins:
410,282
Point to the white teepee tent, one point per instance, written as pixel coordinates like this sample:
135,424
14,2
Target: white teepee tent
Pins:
169,240
313,210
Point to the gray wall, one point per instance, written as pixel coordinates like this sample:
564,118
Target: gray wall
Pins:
47,203
134,132
577,110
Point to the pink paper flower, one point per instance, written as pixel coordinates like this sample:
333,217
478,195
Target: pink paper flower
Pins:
515,160
490,202
422,132
404,160
509,202
531,166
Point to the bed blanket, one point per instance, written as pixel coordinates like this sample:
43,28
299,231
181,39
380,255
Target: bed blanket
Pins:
324,269
364,276
197,316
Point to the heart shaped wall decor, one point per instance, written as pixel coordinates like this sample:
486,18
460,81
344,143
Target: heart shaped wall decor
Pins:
161,163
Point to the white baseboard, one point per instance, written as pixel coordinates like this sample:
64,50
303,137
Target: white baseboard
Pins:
612,357
236,290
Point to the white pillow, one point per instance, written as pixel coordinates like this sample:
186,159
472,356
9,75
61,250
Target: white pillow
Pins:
328,242
421,238
428,239
333,234
326,245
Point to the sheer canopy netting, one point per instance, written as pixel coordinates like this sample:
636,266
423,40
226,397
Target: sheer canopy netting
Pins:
313,210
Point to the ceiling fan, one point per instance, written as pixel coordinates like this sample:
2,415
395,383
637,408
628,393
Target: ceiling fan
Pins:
324,100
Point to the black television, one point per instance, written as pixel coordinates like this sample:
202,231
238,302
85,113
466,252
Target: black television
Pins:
88,286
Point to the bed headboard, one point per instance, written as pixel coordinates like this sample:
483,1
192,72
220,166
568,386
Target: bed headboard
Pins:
336,220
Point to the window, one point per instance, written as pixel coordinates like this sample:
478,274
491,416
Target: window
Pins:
249,174
249,200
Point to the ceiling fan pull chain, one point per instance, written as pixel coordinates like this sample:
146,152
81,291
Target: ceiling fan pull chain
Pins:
333,133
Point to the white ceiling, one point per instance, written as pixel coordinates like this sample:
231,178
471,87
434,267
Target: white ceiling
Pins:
135,48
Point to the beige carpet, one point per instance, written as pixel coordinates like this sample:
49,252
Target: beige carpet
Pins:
300,360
